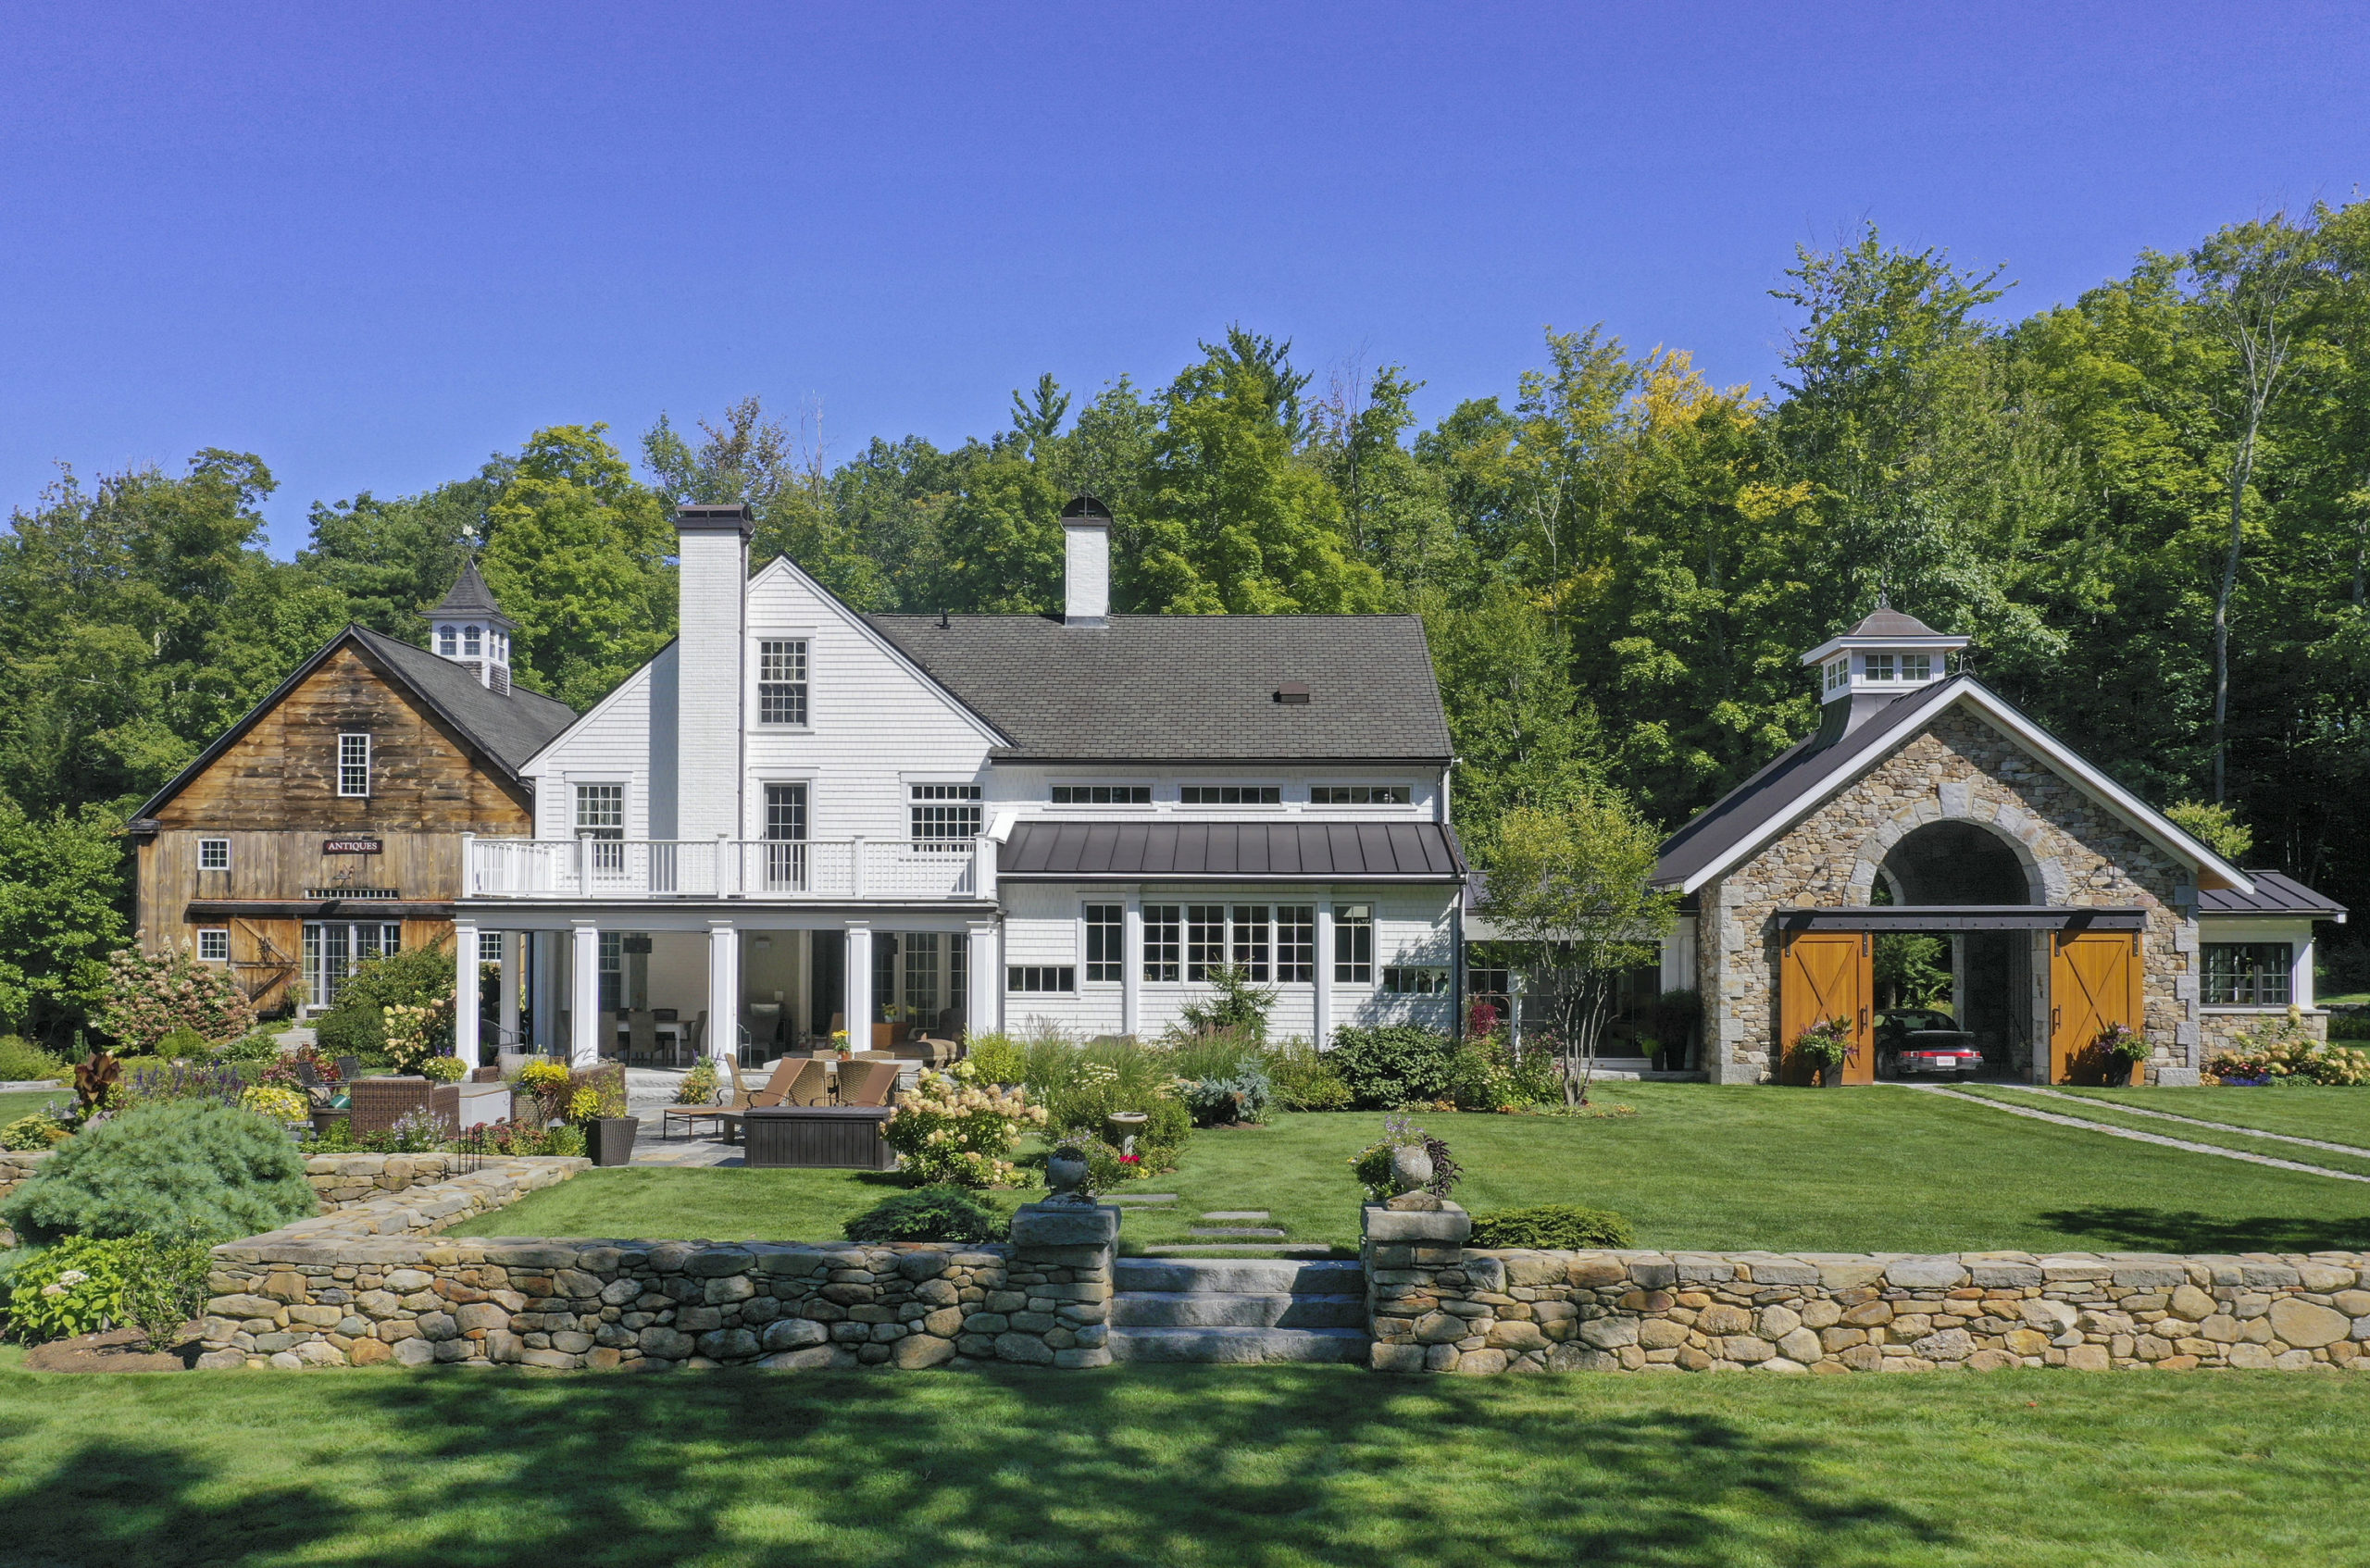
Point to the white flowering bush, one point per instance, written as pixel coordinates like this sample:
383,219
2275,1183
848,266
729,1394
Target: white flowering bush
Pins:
149,999
959,1133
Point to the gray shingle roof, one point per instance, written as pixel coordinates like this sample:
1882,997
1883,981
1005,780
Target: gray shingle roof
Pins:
1188,688
509,726
2275,894
469,596
1234,851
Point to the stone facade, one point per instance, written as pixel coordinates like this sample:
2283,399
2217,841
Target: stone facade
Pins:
416,1194
1437,1306
2073,851
290,1301
2221,1030
17,1167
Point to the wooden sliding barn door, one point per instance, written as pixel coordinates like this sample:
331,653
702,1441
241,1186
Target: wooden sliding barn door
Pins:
2094,981
1826,974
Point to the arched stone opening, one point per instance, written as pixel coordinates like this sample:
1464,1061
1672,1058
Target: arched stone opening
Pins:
1955,861
1958,862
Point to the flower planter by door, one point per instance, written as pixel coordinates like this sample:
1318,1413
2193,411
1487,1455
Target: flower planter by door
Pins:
610,1140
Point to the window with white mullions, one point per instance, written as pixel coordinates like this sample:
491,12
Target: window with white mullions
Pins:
1164,944
333,949
601,816
1204,940
1230,794
214,855
1359,794
1103,794
781,681
214,945
353,762
1106,936
1253,940
1353,944
2248,974
1296,942
786,837
945,817
1415,980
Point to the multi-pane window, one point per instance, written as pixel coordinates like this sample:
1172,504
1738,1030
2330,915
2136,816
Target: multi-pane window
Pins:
921,975
1415,980
2248,974
1839,674
1295,942
1103,794
1251,940
1879,666
1231,795
1164,944
214,855
1483,980
1353,944
613,970
601,818
1047,978
946,817
353,762
1106,936
786,837
446,641
1359,794
781,681
333,948
489,947
1204,940
1917,666
472,641
214,945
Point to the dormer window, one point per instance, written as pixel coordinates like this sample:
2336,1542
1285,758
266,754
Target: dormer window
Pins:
447,641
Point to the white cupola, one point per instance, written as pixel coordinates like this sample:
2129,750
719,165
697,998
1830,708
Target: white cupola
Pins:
1886,656
469,629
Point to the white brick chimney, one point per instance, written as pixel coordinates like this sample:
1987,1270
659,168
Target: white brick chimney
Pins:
1086,563
712,546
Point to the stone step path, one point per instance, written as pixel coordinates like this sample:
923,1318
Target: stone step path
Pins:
2121,1109
1265,1249
1243,1310
2161,1141
1236,1231
1236,1215
1124,1197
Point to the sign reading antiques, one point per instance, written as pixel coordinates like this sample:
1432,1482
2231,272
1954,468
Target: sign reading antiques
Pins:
353,846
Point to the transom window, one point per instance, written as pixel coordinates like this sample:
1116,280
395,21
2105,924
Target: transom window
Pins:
1415,980
1231,795
1164,943
781,681
946,817
353,761
1102,795
2248,974
1107,938
1041,978
1360,794
214,945
1353,944
214,855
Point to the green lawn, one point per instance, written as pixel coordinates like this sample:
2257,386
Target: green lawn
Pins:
1877,1169
1275,1466
2117,1115
2342,1115
24,1104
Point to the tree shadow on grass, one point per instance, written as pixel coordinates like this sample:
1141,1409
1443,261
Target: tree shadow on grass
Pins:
1176,1465
2186,1230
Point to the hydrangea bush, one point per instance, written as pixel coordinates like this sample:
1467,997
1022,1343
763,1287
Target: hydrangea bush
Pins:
150,998
956,1133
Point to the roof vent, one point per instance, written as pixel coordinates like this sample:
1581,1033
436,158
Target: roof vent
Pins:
1292,691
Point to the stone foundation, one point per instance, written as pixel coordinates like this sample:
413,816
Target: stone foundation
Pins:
1437,1306
324,1299
2222,1029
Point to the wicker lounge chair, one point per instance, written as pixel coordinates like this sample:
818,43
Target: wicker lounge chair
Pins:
866,1083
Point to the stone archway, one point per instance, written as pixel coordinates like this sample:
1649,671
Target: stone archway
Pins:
2044,877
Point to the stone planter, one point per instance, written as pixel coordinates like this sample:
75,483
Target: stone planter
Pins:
1064,1176
609,1139
1411,1167
1828,1077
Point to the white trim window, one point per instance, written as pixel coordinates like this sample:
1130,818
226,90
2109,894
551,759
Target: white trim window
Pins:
1879,666
1230,794
489,947
2250,974
781,681
214,855
601,818
1296,943
447,641
1164,943
353,762
1917,666
1103,794
1415,980
1360,794
1107,940
333,949
1839,673
214,944
1353,944
1045,979
1204,940
945,817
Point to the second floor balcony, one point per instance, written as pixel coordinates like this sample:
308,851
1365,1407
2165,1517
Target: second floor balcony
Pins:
893,870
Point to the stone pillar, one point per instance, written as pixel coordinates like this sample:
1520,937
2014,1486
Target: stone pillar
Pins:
1132,966
1321,1003
983,979
584,995
1405,1250
513,945
464,990
1060,1261
858,989
723,990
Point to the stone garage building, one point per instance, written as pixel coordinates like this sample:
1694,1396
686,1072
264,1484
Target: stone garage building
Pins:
1926,803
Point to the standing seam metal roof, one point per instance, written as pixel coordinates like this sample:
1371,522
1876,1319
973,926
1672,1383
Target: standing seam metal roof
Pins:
1358,850
2275,894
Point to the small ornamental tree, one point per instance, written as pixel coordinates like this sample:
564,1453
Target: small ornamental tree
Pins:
952,1133
149,999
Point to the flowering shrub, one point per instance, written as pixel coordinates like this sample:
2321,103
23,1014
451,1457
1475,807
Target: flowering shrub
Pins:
2286,1052
278,1103
956,1133
548,1083
85,1286
413,1030
442,1069
31,1134
698,1086
148,999
419,1131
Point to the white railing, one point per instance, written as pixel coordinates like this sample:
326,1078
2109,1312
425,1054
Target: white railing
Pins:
898,869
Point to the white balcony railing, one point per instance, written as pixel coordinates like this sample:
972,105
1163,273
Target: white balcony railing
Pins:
896,870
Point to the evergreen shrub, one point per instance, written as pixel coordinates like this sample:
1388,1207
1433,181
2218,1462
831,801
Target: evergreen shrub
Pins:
183,1168
929,1213
1393,1066
1551,1228
23,1062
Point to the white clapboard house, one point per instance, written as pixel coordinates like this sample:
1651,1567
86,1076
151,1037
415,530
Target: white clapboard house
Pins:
798,815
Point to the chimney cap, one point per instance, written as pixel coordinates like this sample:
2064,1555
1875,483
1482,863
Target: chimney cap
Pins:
708,519
1085,507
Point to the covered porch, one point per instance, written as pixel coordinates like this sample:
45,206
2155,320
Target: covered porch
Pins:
655,986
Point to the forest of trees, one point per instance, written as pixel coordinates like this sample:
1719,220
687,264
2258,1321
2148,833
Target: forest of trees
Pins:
2150,510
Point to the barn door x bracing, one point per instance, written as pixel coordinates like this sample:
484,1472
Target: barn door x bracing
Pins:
1826,974
2094,981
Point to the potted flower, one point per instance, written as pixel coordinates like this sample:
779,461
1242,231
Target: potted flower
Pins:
600,1109
840,1044
1824,1047
2123,1053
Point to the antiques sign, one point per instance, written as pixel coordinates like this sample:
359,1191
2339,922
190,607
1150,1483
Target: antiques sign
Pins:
352,846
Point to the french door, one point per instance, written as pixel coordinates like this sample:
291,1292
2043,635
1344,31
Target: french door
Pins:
333,948
786,837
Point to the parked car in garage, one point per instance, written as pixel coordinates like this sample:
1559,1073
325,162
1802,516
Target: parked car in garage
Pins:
1922,1042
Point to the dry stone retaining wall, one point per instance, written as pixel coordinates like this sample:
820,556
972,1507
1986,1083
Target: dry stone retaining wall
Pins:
1437,1306
290,1300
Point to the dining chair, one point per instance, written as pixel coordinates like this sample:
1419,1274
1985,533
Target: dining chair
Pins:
642,1037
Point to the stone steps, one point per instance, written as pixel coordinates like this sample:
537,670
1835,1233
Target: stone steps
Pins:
1236,1232
1238,1311
1264,1248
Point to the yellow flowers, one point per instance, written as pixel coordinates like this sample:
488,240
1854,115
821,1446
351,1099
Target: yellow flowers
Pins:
279,1104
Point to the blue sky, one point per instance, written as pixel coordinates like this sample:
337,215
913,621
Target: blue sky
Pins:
375,244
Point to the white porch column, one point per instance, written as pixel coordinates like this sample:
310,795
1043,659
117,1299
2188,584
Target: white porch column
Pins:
584,995
723,989
1322,1011
513,945
980,970
546,988
858,1004
1132,967
464,990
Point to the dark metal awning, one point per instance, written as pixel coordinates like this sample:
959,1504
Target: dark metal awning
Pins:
1365,851
1961,917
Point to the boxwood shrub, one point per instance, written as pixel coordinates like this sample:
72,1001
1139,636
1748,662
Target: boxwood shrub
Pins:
1393,1066
1551,1228
929,1213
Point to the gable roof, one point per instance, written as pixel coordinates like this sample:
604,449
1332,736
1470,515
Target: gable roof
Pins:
1188,688
1801,778
504,727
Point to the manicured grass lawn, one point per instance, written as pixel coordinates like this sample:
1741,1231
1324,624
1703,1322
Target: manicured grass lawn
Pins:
1877,1169
2113,1113
2342,1115
1182,1465
15,1105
